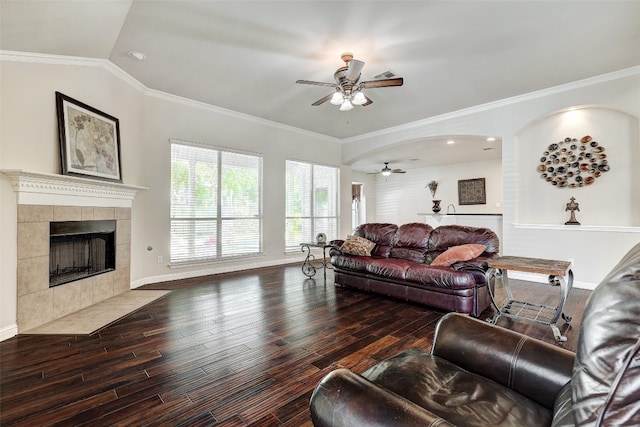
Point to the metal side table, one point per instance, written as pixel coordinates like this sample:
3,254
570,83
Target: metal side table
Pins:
308,269
524,310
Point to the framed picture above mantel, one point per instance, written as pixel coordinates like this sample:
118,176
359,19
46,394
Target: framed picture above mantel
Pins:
472,192
89,140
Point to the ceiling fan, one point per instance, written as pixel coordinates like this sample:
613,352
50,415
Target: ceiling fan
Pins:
348,89
386,170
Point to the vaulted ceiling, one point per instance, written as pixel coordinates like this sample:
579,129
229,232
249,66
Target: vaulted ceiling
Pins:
245,56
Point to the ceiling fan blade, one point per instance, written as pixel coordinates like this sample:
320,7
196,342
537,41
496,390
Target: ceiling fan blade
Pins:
322,100
310,82
398,171
355,67
382,83
369,101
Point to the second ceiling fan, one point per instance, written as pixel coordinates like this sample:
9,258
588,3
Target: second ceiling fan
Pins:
348,88
386,170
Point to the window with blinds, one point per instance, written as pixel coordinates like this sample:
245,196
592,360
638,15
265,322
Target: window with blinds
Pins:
216,203
311,202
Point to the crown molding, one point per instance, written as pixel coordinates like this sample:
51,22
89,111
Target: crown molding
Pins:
41,58
627,72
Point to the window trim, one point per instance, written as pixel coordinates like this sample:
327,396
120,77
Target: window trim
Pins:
295,248
219,258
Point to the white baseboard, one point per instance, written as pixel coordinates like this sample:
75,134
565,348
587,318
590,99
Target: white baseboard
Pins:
212,270
8,332
539,278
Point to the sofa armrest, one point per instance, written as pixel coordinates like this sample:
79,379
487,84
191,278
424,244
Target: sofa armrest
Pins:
335,247
343,398
531,367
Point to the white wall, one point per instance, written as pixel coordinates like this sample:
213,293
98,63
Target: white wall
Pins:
29,141
401,197
599,205
594,249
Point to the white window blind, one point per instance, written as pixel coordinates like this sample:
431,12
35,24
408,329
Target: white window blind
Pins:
216,203
311,202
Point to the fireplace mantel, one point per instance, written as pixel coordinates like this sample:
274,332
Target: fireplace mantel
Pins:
38,188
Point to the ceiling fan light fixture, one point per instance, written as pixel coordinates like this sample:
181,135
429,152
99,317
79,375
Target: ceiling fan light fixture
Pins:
386,171
359,98
346,105
337,98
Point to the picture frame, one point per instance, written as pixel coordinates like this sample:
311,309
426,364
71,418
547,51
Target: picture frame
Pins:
472,192
89,140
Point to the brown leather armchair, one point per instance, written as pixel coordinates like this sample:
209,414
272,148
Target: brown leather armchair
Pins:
478,374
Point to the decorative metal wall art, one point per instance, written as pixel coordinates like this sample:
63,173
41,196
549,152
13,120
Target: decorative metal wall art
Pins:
573,163
472,192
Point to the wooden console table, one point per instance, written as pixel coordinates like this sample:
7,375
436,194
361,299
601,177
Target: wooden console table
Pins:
524,310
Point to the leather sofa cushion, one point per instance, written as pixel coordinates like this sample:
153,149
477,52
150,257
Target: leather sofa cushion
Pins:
420,274
351,262
458,396
606,375
381,234
440,277
446,236
411,242
389,267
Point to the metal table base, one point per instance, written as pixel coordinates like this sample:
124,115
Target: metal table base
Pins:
308,269
525,310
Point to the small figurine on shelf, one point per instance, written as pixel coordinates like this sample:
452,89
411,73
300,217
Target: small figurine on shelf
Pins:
573,207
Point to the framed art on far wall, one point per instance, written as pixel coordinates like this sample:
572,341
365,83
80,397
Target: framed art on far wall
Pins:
89,140
472,192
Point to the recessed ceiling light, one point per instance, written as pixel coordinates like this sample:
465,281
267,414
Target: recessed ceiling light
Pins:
451,141
140,56
491,139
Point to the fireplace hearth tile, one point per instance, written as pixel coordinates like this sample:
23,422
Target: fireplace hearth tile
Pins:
123,232
67,213
33,239
93,318
104,213
103,286
123,255
123,213
87,213
33,275
122,281
35,213
35,309
72,296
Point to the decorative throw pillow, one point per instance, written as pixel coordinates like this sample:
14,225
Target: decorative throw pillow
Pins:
458,253
355,245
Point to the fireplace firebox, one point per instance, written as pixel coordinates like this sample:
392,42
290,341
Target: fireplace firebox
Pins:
79,249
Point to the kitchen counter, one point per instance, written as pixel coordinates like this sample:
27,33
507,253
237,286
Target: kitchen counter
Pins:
459,214
492,221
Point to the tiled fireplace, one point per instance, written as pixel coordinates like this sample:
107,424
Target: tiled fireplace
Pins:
43,199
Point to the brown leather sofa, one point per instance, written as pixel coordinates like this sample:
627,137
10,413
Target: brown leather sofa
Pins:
399,265
478,374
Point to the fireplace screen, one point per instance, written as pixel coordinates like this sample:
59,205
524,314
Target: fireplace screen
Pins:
79,249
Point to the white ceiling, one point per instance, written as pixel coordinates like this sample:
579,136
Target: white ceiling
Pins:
245,56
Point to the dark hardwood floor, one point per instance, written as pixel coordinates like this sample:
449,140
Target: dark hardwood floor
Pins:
239,349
